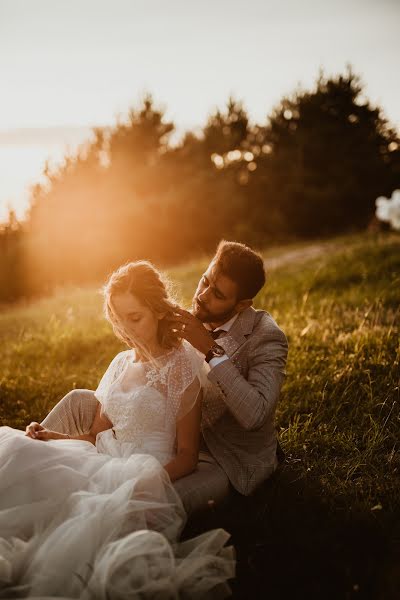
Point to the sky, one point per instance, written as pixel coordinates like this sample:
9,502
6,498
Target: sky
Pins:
69,65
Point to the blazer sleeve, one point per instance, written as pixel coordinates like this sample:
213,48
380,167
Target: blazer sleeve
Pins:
252,400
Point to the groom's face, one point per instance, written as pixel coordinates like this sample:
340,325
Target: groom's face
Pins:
216,297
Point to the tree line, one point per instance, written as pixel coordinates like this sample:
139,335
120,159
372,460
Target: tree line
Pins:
314,168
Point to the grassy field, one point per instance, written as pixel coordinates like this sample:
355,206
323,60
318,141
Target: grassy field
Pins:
328,524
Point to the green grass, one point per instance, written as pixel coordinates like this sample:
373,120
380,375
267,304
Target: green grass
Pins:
339,410
338,416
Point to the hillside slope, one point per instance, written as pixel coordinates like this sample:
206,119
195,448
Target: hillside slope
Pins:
331,517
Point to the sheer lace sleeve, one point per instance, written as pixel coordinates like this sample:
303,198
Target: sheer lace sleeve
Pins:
115,368
186,376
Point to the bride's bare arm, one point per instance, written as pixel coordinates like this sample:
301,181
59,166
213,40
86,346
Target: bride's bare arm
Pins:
100,423
188,438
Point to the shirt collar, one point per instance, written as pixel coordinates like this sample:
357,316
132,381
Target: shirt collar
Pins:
225,326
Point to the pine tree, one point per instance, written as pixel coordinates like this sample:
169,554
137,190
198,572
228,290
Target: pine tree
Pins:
331,155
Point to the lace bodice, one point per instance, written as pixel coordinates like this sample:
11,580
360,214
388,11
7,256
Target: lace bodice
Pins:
144,401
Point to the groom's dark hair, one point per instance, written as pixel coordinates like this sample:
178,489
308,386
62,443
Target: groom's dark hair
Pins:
243,265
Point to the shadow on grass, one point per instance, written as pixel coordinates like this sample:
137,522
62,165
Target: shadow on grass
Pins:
290,544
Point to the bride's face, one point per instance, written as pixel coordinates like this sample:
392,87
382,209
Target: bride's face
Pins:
138,321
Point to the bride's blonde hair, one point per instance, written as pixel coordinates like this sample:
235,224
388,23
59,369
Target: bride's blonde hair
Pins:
153,290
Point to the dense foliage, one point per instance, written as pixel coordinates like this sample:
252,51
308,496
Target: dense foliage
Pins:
314,168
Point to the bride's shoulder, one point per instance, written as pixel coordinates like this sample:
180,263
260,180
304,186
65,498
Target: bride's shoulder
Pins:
185,350
186,355
192,351
121,358
125,355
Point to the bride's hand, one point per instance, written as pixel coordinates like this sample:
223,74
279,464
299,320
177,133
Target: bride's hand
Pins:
32,429
38,432
47,434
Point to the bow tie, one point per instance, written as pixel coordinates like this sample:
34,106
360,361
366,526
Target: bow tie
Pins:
216,334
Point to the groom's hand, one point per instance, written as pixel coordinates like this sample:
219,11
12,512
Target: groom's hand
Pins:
191,329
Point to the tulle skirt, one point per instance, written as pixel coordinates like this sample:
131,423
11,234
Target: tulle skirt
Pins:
75,523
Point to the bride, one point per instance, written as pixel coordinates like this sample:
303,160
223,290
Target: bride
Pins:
96,516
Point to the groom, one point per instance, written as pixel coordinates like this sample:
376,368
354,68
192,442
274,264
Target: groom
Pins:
246,352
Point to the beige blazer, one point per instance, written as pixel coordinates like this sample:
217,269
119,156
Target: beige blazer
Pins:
242,436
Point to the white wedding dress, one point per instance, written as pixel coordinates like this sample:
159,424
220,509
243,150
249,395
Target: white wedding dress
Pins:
79,521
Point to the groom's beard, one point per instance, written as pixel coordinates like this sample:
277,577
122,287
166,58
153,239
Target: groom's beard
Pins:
205,316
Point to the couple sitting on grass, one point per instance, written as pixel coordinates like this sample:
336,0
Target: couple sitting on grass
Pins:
180,420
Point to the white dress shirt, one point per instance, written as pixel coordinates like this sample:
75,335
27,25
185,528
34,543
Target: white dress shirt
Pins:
224,327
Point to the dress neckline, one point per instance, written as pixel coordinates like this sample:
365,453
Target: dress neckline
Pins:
148,362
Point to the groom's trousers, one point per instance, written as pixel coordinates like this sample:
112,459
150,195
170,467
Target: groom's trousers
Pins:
208,484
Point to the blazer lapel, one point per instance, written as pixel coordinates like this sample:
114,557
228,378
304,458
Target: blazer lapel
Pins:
241,328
